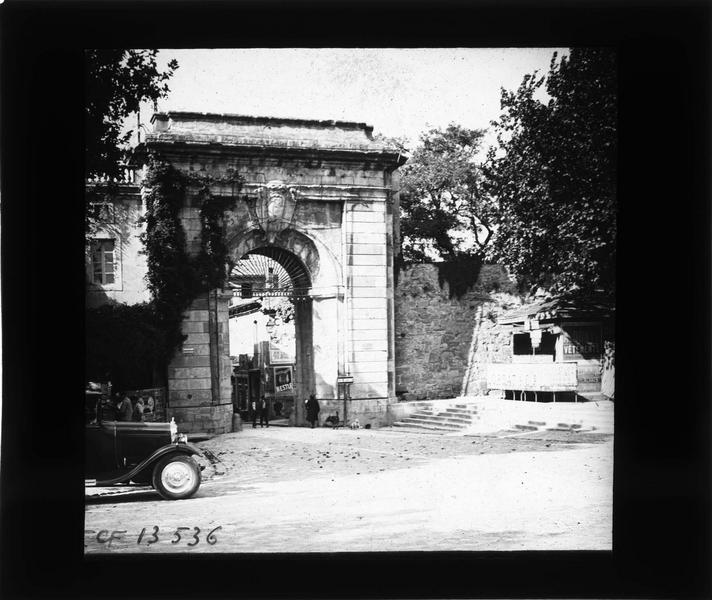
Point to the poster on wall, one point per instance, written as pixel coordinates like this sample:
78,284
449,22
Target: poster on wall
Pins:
283,380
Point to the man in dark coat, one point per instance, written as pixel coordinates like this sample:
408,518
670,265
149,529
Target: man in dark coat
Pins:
264,412
313,410
125,409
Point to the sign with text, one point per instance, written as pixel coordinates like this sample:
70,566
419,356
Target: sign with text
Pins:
283,380
542,377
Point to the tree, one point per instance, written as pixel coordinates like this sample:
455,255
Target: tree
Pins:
553,176
443,211
117,82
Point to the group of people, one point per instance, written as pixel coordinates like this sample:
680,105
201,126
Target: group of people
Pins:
260,410
121,409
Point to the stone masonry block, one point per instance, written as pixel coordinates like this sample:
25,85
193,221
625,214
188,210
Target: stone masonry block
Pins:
367,346
367,334
369,313
367,238
372,324
200,304
371,229
370,356
180,361
189,384
197,397
362,366
370,217
364,303
369,292
367,260
196,350
365,272
360,247
194,327
363,207
189,373
196,314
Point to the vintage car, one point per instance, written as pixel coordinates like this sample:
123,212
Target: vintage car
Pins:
144,453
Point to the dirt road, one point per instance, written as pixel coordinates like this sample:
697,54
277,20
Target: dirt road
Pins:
323,490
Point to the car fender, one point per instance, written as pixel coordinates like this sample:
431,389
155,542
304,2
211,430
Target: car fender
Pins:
177,448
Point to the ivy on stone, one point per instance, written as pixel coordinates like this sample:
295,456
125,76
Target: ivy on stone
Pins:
212,261
172,278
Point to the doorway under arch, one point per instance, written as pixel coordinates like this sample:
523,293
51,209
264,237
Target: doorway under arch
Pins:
275,282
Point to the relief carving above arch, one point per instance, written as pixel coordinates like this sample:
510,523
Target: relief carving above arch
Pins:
274,208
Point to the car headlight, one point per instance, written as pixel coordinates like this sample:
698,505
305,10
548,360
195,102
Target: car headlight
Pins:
180,438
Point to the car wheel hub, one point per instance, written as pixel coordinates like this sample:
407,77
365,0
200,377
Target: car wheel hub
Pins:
177,477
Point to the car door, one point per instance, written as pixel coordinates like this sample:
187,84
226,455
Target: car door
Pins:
136,441
100,449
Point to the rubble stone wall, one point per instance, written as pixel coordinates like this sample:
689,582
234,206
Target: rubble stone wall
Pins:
434,333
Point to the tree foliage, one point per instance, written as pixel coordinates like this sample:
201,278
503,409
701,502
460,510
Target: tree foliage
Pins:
125,344
553,176
443,210
116,83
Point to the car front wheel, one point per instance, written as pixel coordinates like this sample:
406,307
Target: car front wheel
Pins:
176,476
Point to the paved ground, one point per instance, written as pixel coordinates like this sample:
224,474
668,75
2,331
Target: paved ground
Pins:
322,490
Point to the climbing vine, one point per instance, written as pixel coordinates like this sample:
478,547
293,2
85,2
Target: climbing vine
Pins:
175,278
213,256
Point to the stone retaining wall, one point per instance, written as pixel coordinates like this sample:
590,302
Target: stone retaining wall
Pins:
434,333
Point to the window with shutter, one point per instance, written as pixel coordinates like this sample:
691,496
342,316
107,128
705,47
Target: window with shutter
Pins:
103,262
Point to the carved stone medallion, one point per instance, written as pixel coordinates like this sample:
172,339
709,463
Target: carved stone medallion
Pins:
275,207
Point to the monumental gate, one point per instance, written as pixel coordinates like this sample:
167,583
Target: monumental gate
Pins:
319,198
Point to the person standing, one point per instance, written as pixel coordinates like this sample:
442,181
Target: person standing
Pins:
125,409
313,409
264,412
138,410
254,405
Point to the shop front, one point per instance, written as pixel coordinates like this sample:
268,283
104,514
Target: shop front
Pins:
557,351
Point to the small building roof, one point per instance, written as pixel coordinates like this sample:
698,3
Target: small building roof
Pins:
561,308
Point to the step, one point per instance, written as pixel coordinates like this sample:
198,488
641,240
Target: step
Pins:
423,427
569,430
459,413
527,427
430,425
415,429
424,413
433,423
453,418
437,419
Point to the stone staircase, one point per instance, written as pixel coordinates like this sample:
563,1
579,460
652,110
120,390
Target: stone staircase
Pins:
487,415
456,417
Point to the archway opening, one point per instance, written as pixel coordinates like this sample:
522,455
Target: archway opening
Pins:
270,333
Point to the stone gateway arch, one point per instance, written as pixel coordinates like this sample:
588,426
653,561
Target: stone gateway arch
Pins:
320,199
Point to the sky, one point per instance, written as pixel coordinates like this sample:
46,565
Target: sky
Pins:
400,92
